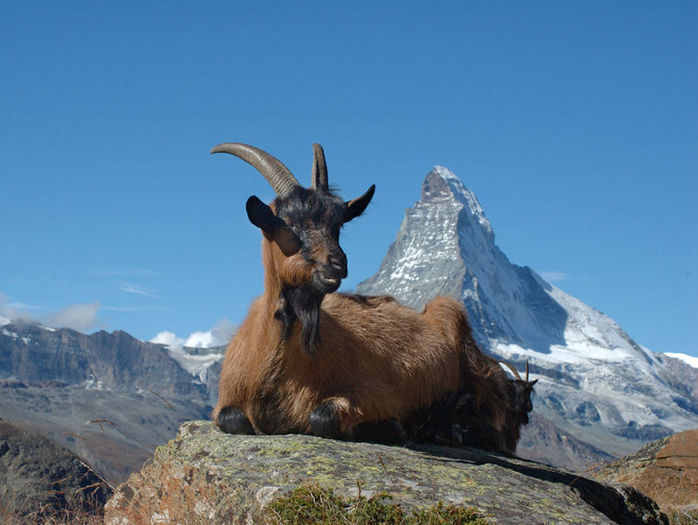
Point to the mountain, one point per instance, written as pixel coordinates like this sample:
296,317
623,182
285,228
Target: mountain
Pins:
39,479
108,397
597,387
666,470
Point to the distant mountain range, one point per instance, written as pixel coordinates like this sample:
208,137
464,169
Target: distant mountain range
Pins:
108,397
112,398
599,393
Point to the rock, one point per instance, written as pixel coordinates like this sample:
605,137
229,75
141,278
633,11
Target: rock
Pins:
666,470
39,477
205,475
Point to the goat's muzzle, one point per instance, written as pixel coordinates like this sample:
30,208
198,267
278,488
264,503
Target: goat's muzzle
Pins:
329,276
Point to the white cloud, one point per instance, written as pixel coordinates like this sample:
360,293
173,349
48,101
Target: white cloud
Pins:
200,340
80,317
137,308
137,289
553,277
14,312
167,338
219,335
129,272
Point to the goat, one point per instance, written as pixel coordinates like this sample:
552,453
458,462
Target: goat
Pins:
458,420
308,360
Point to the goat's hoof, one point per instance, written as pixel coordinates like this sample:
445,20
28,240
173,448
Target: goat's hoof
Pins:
232,420
324,421
388,431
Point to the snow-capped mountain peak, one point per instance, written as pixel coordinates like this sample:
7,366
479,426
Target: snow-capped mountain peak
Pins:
595,381
442,183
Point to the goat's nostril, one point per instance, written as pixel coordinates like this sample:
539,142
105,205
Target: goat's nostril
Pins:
336,267
338,261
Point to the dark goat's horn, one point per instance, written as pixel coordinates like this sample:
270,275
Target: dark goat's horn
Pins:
527,371
516,374
319,177
278,176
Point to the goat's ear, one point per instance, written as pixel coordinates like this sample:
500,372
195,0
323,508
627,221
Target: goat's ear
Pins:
261,216
357,206
531,383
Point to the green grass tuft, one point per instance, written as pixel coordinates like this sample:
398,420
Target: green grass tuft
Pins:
312,504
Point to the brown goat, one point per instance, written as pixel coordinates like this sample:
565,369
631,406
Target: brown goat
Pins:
307,360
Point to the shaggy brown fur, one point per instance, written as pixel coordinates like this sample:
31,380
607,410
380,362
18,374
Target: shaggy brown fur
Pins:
375,360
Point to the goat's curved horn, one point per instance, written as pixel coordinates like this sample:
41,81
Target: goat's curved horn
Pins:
319,177
278,176
516,374
527,371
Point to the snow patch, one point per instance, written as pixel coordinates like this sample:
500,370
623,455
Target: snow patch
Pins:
688,359
93,384
196,364
8,333
167,338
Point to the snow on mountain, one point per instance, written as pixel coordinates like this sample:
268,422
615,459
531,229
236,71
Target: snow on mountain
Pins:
196,361
689,359
596,383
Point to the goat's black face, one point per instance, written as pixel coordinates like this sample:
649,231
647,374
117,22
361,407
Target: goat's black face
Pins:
306,227
316,218
523,390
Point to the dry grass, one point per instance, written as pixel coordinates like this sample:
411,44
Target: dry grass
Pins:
75,513
82,506
683,516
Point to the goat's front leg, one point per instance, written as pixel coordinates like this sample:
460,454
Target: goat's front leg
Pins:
387,431
232,420
337,418
325,419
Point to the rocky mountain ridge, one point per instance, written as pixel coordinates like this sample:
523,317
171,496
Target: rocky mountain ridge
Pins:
107,397
596,384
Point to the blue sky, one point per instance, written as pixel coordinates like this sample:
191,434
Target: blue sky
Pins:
575,123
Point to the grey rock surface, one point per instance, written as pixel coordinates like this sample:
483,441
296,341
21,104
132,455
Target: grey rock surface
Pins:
204,475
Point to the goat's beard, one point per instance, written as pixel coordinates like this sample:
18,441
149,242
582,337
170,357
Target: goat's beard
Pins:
302,303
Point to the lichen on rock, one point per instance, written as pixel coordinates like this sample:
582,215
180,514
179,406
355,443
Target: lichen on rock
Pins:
206,476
